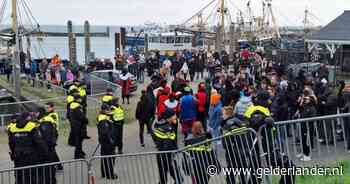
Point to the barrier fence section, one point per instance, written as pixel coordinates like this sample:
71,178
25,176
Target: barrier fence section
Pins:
238,156
319,141
13,108
74,172
98,85
199,163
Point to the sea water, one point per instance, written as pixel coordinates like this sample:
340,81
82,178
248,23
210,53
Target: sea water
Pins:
103,47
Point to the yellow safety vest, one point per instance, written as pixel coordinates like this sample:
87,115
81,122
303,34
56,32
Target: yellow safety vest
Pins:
10,125
82,91
252,109
118,113
48,119
70,99
107,98
54,115
163,135
74,105
102,117
28,128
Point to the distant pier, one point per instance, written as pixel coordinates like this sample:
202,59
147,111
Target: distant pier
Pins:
82,34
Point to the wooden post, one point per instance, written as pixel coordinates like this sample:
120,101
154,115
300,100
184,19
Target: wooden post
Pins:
87,42
16,56
232,40
71,43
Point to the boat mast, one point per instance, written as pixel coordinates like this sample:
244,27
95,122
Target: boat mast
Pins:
222,23
16,59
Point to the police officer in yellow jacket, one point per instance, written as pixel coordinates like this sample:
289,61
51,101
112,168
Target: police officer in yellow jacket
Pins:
50,111
27,148
79,123
259,118
82,92
118,116
164,137
237,143
72,91
48,127
106,139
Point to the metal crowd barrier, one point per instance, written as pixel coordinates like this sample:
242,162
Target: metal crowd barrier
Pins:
74,172
318,141
243,149
99,85
179,166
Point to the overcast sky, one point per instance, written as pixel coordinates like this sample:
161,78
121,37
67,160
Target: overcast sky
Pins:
136,12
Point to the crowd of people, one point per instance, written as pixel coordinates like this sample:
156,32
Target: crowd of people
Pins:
230,99
246,92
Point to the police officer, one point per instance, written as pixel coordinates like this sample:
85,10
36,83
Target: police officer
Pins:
237,143
164,136
72,91
202,155
259,118
105,138
107,98
79,123
118,123
83,96
48,127
27,148
50,111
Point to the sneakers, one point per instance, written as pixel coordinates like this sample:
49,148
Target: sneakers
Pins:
143,145
306,158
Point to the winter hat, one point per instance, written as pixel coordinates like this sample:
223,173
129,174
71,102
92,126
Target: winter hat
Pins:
168,113
215,98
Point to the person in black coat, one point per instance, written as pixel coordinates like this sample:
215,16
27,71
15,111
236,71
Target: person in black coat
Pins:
48,127
164,137
27,147
144,114
78,122
107,142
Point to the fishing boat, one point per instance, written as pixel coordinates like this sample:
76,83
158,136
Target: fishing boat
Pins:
169,42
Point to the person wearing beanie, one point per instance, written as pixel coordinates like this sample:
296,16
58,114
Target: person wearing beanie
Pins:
215,115
165,139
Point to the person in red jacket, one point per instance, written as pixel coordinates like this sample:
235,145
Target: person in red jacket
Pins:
172,103
201,97
163,95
